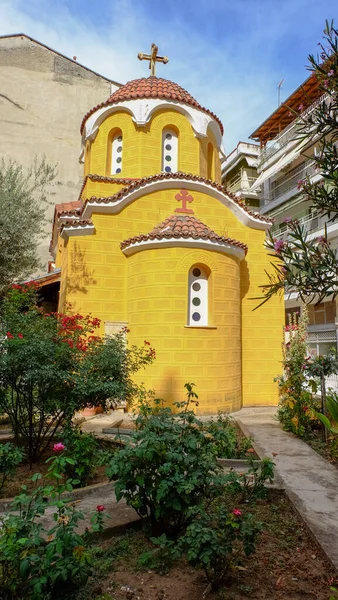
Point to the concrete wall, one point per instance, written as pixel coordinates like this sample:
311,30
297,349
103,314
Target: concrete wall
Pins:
43,98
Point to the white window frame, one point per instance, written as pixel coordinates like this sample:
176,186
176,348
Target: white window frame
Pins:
116,154
171,164
198,280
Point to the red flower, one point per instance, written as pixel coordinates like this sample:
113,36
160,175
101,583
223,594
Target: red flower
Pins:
59,447
9,335
20,336
100,508
236,512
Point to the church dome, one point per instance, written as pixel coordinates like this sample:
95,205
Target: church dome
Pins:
154,88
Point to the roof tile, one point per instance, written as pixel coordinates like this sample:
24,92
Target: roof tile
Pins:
137,183
186,226
151,87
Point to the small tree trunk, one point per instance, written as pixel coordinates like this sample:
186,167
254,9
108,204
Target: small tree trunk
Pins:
324,411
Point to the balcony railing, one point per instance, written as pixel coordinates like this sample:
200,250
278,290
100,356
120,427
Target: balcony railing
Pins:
290,133
289,183
311,223
240,182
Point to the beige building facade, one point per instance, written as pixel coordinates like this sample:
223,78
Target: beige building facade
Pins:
43,97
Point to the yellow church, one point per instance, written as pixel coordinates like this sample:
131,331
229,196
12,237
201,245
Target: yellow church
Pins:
156,244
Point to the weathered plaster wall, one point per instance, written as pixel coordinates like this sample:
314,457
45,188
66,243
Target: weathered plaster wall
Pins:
43,98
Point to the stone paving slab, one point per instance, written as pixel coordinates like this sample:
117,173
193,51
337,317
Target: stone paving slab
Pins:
120,515
310,481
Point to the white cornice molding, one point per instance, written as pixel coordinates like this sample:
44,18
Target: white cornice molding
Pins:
142,111
215,246
77,230
92,206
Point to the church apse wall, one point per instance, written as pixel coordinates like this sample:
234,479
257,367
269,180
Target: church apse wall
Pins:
158,246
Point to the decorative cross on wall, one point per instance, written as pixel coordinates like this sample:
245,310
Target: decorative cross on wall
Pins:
184,197
153,58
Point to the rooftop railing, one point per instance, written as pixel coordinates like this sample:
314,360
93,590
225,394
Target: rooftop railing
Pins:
289,133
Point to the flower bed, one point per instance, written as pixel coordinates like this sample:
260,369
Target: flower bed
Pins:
287,565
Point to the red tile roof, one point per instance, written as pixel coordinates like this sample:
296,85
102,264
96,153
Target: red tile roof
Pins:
75,223
186,226
188,176
105,179
151,87
68,208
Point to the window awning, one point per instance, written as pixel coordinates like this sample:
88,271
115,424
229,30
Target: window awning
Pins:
280,164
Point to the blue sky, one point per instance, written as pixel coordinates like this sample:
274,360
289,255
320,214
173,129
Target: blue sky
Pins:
230,55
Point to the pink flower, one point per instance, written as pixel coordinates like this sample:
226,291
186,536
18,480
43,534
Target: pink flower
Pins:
305,408
20,336
300,184
330,73
322,240
236,512
9,335
278,245
326,83
301,107
59,447
100,508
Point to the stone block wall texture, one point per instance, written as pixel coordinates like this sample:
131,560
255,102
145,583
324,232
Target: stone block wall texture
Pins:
235,360
99,281
43,98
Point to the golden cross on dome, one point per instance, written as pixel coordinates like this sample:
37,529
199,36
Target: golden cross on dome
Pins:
153,58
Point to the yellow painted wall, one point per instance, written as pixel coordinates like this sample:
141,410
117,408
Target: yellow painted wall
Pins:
157,311
142,146
99,280
233,363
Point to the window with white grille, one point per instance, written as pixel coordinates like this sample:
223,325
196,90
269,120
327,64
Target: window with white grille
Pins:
198,297
169,151
116,153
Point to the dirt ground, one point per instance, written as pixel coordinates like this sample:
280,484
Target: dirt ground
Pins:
287,566
24,473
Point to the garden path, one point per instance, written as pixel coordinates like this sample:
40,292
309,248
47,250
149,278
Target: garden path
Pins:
310,481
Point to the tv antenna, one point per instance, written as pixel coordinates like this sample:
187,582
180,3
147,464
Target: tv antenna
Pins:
279,86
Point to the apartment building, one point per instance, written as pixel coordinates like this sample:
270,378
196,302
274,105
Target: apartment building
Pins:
43,98
284,158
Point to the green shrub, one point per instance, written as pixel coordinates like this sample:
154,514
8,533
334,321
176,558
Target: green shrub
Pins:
86,454
10,458
251,485
216,542
296,392
168,467
38,562
225,437
53,364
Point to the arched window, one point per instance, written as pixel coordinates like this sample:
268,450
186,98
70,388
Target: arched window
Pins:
198,297
116,153
210,171
169,150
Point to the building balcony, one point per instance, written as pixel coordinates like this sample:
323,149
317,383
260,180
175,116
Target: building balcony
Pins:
286,186
288,135
313,224
240,182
